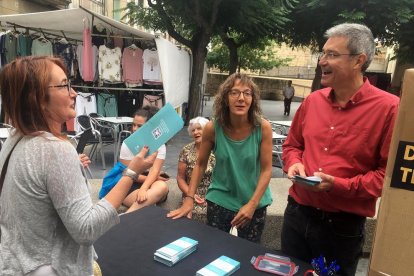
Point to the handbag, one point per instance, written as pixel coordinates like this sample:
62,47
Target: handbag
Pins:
110,180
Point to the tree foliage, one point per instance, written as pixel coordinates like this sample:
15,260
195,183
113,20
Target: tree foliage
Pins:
391,22
255,58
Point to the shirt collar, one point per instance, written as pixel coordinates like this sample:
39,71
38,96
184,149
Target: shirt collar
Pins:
357,97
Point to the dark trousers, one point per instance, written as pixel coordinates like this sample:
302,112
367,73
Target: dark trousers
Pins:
221,218
308,232
287,106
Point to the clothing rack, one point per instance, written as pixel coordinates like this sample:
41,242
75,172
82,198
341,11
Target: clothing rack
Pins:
49,33
40,30
118,88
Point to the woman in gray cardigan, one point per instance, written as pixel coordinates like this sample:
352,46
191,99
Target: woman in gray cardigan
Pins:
47,218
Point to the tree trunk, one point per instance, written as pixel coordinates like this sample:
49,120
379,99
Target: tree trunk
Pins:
316,83
234,58
194,101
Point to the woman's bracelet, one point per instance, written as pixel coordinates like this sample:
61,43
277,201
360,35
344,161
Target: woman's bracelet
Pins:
189,197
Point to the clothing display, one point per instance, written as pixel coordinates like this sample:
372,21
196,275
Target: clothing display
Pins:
90,67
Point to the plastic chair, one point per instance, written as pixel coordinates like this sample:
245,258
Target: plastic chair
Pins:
4,125
95,115
277,160
81,140
85,123
121,137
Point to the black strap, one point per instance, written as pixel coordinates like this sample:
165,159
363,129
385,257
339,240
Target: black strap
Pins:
6,163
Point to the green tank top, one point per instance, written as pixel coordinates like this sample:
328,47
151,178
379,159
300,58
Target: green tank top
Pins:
237,170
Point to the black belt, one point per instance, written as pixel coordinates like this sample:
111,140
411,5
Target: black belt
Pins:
324,215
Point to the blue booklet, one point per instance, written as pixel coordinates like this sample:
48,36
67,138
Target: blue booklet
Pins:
222,266
175,251
157,131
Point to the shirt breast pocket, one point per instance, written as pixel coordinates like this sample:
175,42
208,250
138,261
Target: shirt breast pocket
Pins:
355,142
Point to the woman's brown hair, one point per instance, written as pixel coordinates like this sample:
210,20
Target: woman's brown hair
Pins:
221,108
24,92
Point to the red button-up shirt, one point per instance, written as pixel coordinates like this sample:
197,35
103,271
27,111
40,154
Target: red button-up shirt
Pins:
349,143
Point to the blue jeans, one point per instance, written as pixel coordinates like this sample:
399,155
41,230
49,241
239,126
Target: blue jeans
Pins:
308,232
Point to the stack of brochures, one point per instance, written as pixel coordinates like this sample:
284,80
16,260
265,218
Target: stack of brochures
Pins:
222,266
175,251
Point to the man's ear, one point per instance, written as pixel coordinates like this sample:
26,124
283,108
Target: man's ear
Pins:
360,61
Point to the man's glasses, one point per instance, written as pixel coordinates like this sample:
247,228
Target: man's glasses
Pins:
235,93
68,86
332,55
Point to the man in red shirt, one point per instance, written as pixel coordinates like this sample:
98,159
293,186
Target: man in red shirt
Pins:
342,134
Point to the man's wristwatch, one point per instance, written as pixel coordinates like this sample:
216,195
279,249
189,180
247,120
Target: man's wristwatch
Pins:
130,173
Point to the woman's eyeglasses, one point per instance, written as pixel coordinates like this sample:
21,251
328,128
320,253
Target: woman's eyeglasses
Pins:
235,93
68,86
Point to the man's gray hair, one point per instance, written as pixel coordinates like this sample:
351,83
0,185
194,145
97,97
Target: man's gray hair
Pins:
360,39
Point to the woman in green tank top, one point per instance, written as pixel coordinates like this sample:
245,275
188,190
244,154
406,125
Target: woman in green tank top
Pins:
242,143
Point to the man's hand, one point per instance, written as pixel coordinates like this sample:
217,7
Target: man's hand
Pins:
84,159
184,210
141,195
244,216
325,185
296,169
327,182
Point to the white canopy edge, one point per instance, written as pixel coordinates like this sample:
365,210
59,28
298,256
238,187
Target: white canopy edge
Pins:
175,68
71,22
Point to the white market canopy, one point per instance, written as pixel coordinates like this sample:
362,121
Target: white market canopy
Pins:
175,63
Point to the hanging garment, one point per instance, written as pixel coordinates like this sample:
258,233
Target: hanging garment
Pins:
109,64
132,65
85,104
152,69
42,47
107,104
129,102
10,46
64,50
24,45
152,100
87,59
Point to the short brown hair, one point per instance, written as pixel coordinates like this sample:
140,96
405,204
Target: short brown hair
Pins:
24,92
147,112
221,108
